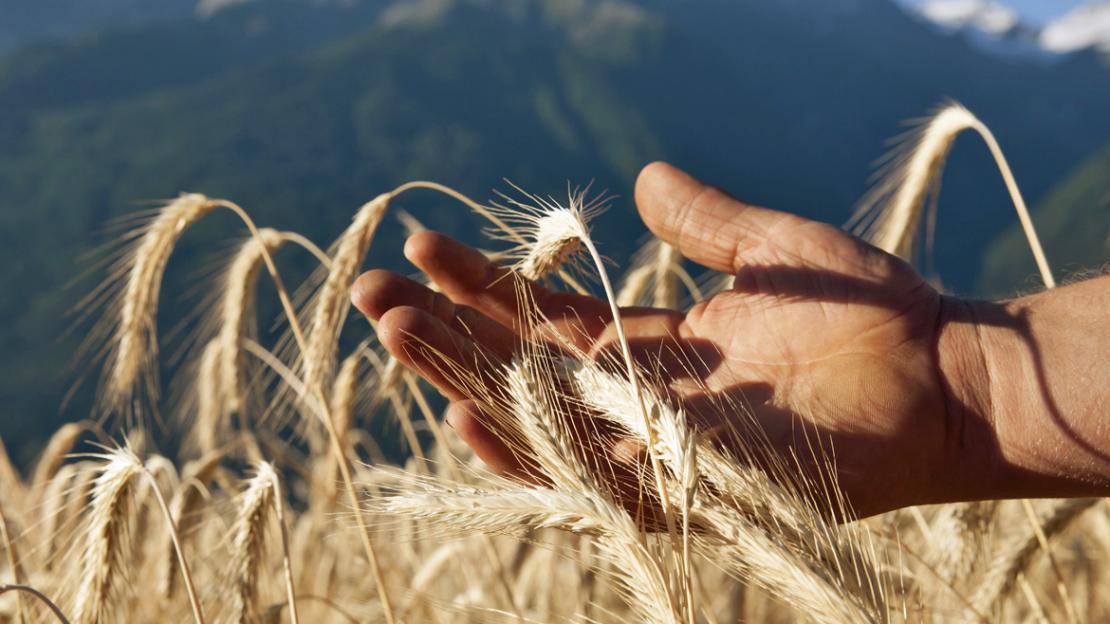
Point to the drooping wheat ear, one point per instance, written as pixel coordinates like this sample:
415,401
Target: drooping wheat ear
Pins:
10,480
184,508
654,277
209,423
133,348
344,392
1015,554
51,507
332,301
76,504
957,539
107,542
52,457
342,399
237,317
249,541
890,214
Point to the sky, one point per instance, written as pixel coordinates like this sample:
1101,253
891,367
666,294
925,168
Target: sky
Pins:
1038,12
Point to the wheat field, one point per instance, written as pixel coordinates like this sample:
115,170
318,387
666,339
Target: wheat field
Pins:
281,508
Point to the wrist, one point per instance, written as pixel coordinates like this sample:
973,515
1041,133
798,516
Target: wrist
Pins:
972,460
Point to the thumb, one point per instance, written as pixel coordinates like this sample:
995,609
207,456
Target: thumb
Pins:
705,224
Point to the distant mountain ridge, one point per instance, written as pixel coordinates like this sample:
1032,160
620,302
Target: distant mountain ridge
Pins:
996,27
301,112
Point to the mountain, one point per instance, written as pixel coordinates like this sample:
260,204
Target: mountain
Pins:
1001,29
1087,27
301,111
1073,222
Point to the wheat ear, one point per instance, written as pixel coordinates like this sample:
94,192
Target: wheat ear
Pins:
133,348
1014,556
249,541
107,541
235,319
556,236
957,532
301,342
332,301
504,229
184,505
318,403
890,214
52,457
9,476
654,276
208,418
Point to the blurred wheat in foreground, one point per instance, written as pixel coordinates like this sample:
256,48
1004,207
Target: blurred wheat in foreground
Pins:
256,527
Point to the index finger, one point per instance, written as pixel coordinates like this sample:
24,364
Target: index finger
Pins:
470,278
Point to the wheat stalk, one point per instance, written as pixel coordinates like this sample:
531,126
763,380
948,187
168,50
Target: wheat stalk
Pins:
183,508
107,543
171,529
889,216
555,236
25,589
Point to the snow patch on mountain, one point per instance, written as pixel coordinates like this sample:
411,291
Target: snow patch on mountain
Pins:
1087,26
986,15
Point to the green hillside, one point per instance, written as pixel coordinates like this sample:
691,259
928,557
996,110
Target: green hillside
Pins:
302,112
1073,222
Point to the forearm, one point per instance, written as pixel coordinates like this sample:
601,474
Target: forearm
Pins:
1036,386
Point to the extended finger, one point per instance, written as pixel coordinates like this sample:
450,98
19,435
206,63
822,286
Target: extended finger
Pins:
456,365
468,277
480,434
378,291
707,225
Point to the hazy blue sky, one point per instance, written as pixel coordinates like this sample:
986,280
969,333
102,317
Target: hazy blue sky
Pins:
1035,11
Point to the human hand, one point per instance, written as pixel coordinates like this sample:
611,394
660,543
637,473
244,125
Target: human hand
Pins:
831,342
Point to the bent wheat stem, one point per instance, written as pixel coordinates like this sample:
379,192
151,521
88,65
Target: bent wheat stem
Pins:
26,589
290,378
325,416
171,526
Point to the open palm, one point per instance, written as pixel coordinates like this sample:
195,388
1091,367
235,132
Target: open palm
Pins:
828,342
